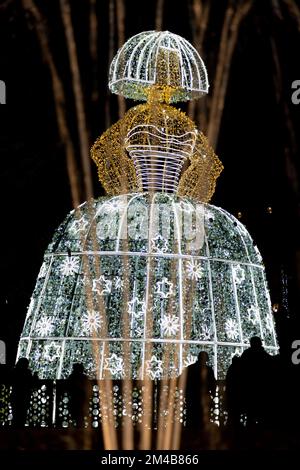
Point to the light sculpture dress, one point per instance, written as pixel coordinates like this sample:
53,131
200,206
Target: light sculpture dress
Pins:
137,283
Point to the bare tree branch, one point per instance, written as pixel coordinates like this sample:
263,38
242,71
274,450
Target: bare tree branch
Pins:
277,9
159,15
234,15
6,4
111,21
121,39
59,97
94,49
79,99
199,13
294,10
291,148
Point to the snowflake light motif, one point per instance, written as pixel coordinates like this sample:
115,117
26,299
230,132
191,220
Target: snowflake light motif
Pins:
115,365
231,329
169,325
91,321
238,274
69,266
205,332
159,244
164,288
115,205
44,326
102,285
136,307
189,360
154,368
253,315
78,226
194,270
52,351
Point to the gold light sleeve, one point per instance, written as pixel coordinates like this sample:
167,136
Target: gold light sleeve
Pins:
115,169
199,180
117,172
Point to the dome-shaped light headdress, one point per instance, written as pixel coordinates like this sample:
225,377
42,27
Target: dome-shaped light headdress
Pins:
158,58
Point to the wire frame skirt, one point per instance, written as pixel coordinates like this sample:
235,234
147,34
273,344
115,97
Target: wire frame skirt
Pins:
137,285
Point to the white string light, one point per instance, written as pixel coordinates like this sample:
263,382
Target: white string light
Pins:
158,157
136,66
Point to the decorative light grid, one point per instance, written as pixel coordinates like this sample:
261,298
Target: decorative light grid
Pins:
115,282
158,58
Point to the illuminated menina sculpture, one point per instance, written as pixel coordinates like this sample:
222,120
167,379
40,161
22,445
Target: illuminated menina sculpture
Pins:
135,284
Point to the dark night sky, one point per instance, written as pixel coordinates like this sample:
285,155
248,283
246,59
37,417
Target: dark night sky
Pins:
33,178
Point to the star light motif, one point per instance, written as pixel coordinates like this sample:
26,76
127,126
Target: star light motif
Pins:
69,266
79,226
159,244
119,283
44,326
253,315
154,368
238,274
102,285
231,329
52,351
169,325
164,288
194,270
91,321
115,365
137,308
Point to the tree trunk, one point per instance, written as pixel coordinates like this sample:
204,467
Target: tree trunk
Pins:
79,99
